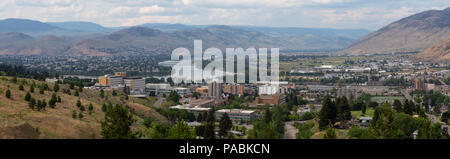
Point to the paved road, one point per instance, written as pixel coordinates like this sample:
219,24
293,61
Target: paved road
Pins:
289,130
158,102
407,96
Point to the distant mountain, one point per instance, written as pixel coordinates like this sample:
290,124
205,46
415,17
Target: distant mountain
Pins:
309,38
81,26
410,34
171,27
152,41
87,38
305,32
274,31
437,53
22,44
24,26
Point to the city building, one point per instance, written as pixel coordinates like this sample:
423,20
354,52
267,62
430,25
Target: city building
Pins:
203,90
419,84
135,85
191,108
277,99
182,90
158,88
122,74
234,89
236,115
103,80
116,81
215,90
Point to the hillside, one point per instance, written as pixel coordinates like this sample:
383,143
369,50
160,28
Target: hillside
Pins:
152,41
410,34
437,53
17,120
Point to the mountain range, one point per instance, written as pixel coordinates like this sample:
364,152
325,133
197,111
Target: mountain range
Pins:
85,38
411,34
414,33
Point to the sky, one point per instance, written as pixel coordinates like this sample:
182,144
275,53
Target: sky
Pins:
354,14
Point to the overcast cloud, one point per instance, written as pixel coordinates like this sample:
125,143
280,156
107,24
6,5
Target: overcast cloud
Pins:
366,14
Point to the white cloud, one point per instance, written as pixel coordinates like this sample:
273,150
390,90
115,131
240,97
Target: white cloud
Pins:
121,10
300,13
151,9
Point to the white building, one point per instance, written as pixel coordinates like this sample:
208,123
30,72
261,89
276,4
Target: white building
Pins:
135,85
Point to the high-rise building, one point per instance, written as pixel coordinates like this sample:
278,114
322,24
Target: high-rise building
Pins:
135,85
103,81
116,81
108,80
234,89
419,84
215,90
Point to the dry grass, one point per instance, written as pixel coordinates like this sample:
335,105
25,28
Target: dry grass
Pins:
57,122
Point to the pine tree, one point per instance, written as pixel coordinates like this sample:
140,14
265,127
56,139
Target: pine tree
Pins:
78,103
21,87
408,107
104,107
328,113
200,117
82,108
210,125
28,97
117,123
32,88
53,100
330,132
56,87
80,115
74,114
343,109
398,105
363,109
76,94
8,94
90,108
39,105
224,125
32,103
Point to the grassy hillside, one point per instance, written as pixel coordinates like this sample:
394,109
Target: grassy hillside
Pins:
18,120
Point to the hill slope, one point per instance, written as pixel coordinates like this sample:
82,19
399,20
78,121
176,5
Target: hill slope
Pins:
437,53
413,33
152,41
17,120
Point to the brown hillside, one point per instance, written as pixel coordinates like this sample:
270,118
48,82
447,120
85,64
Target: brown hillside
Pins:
437,53
413,33
17,120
